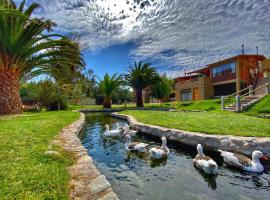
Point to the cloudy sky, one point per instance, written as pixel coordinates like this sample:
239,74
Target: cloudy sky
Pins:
174,35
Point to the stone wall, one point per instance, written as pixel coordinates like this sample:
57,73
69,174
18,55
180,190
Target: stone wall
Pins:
86,182
242,145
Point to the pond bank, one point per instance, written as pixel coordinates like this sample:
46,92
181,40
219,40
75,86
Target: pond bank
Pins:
242,145
86,182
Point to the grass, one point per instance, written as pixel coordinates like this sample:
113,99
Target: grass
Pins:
100,107
206,105
120,106
202,105
25,172
222,123
261,107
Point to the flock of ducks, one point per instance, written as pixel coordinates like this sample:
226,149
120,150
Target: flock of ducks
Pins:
201,161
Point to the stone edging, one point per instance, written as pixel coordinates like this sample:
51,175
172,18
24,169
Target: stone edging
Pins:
243,145
86,182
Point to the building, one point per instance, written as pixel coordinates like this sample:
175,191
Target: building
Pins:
222,78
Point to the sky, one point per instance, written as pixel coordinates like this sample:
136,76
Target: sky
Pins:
176,36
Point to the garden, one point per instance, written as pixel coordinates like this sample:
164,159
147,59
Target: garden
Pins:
45,83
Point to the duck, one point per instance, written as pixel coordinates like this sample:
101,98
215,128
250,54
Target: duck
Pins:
108,132
134,146
160,152
205,163
244,163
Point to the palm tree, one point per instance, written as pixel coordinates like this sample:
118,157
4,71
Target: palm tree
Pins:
108,86
27,47
140,76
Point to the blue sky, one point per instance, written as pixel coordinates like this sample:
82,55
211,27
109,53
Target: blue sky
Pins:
175,35
113,59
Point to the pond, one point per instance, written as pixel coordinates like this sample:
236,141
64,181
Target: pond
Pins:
135,177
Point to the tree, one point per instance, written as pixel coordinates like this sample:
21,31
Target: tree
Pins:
108,86
27,47
140,76
122,95
162,89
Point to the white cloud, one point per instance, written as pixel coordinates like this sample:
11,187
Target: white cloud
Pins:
177,33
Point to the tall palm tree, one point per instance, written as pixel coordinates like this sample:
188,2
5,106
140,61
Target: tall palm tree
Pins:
140,76
26,45
108,86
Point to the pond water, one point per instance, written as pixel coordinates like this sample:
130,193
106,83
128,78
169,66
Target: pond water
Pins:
135,177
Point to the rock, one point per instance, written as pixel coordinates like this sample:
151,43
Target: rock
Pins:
109,196
52,153
99,184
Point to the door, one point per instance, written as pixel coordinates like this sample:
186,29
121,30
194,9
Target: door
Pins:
196,94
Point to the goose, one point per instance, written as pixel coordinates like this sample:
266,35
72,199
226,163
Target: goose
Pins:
244,163
109,132
120,127
134,146
160,152
130,132
205,163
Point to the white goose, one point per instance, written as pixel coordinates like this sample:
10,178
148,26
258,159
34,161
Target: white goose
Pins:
205,163
130,132
160,152
134,146
120,127
243,162
111,133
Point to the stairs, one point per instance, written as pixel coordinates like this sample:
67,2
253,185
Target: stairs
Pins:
258,93
245,102
260,83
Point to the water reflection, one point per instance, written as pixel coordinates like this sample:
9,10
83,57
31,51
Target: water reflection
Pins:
135,176
209,179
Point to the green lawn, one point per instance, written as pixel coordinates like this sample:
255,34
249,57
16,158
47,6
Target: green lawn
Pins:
25,172
132,105
262,107
223,123
204,105
100,107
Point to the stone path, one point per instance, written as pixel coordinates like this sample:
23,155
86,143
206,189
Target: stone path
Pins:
86,182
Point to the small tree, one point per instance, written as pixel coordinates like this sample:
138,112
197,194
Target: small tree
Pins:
162,89
76,94
108,86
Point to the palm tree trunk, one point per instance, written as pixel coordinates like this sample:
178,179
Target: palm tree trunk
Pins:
107,103
139,98
10,100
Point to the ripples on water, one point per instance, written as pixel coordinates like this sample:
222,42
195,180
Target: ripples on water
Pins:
135,177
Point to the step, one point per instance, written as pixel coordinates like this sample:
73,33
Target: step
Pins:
252,97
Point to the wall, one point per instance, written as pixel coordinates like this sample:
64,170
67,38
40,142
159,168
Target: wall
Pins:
204,85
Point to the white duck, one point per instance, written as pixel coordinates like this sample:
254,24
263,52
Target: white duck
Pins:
134,146
160,152
205,163
111,133
243,162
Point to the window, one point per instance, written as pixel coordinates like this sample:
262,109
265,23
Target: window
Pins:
186,95
224,89
224,70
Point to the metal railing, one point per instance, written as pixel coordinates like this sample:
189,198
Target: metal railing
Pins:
237,96
257,89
